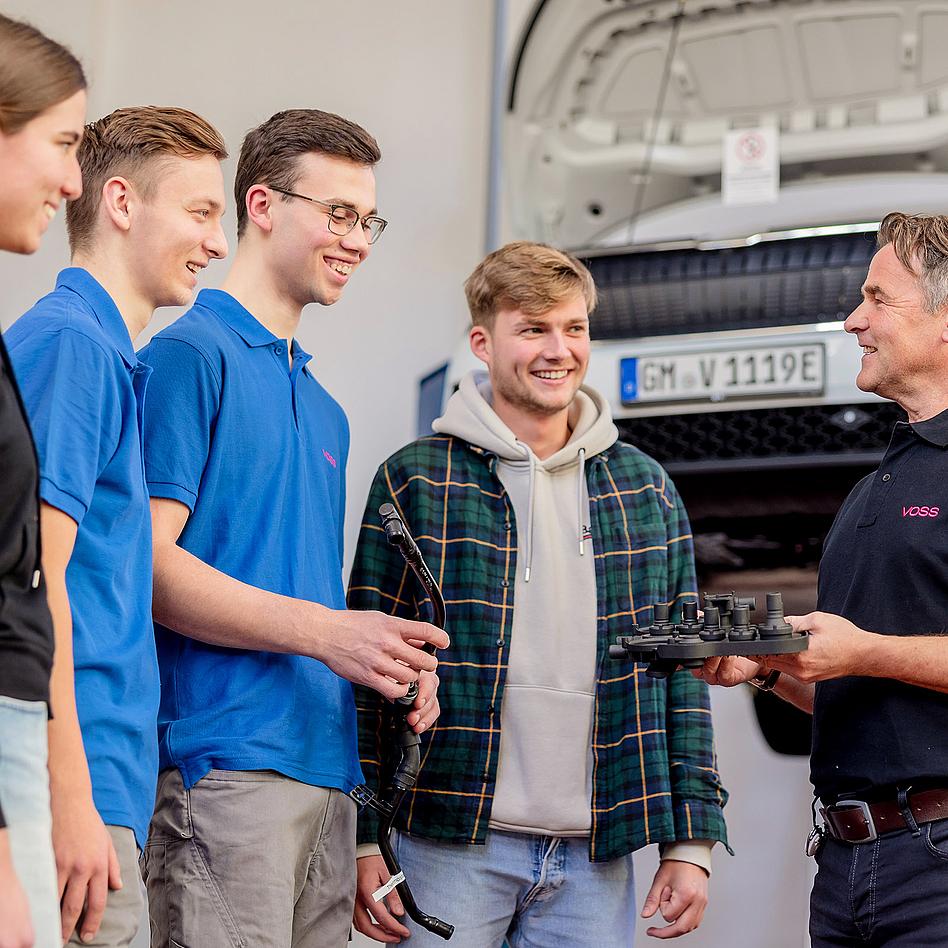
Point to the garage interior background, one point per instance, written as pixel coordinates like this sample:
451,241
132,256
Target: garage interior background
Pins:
420,76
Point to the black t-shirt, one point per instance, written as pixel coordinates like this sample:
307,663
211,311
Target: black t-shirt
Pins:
885,568
26,630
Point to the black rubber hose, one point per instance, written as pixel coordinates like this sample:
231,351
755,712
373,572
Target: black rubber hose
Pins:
409,743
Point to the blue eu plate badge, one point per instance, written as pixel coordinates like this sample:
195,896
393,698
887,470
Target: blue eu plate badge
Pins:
629,380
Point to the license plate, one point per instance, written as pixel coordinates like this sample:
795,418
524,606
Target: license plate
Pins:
719,375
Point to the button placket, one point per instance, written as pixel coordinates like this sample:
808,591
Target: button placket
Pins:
901,445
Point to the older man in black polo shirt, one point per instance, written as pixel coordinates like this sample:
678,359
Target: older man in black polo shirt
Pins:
878,698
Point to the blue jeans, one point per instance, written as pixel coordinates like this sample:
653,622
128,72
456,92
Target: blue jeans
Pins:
535,891
24,794
892,892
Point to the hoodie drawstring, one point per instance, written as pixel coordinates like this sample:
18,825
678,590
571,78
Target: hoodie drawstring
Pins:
531,491
584,533
530,514
582,509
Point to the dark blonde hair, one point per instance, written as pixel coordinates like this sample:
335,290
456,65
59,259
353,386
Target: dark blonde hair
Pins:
131,142
921,244
270,151
35,74
526,276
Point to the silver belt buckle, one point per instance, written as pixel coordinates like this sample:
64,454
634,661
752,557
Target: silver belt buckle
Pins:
866,815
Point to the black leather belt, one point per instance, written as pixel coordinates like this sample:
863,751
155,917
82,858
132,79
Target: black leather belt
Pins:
855,821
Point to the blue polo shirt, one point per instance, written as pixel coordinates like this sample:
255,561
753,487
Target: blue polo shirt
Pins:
84,390
256,448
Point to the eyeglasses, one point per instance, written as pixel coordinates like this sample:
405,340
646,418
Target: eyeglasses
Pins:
342,218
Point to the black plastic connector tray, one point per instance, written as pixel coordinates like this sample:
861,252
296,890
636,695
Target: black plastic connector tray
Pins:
724,629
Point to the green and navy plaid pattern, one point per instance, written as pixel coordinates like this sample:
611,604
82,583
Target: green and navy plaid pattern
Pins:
655,777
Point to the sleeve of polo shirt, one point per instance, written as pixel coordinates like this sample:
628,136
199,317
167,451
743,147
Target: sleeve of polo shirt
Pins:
378,573
73,399
698,796
181,406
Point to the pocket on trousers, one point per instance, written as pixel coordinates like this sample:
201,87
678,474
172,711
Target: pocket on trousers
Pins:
242,776
187,906
936,839
171,820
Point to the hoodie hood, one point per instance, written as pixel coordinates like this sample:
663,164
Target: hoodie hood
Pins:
469,414
549,696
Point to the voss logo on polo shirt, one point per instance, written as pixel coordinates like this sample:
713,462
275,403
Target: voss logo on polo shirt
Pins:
920,511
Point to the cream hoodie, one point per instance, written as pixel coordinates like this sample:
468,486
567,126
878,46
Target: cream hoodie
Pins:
544,776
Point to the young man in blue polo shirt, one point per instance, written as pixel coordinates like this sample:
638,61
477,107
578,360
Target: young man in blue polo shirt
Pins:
253,837
148,220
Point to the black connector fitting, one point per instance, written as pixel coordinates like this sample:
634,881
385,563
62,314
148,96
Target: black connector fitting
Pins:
661,620
711,628
741,630
775,626
690,624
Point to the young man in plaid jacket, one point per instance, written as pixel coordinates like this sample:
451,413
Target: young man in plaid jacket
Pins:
550,763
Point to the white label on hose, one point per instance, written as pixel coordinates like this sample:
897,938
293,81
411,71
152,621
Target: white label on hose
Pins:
380,894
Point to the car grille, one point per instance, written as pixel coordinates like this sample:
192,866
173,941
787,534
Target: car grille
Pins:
774,283
768,437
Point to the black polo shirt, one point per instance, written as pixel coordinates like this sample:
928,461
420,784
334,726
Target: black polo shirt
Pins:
885,568
26,630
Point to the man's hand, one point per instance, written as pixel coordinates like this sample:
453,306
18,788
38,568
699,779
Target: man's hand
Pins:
16,929
836,648
371,874
680,891
373,649
426,707
86,863
728,670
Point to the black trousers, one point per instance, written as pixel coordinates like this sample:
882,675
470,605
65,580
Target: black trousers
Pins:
892,892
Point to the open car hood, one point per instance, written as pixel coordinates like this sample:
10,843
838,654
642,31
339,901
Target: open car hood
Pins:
857,88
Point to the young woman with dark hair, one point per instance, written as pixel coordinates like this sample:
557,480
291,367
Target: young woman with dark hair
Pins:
42,111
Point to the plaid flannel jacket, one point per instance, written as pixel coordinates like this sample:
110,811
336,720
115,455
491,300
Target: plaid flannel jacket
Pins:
655,776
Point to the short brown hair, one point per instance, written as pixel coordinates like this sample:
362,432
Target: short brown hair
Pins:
130,142
35,73
526,276
920,242
270,151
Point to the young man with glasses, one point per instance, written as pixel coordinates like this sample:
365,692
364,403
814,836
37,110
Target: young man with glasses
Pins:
253,837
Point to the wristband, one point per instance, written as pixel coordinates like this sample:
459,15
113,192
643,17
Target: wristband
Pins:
765,682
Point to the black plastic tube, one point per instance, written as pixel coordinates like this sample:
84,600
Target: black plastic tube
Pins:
406,772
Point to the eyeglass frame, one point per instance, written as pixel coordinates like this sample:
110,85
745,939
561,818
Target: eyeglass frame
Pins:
332,210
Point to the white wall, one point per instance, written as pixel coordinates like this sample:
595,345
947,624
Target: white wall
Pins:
415,73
